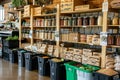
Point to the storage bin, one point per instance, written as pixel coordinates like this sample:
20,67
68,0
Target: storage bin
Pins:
13,56
11,43
100,76
57,70
31,61
21,58
85,74
43,65
71,71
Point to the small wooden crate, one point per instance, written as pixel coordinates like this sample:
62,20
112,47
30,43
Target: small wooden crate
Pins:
27,10
70,6
82,7
37,11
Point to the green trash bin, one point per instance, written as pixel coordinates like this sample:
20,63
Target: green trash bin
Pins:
71,70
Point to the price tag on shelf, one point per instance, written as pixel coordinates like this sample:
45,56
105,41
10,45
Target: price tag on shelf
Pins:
30,34
84,26
105,6
57,35
103,38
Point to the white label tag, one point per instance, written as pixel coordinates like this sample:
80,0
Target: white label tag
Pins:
30,34
103,38
105,6
57,35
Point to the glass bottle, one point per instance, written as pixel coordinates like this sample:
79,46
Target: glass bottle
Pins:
80,20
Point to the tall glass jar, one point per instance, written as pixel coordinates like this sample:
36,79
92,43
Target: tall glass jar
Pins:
100,19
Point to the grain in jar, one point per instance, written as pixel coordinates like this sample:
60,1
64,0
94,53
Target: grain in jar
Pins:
80,20
115,20
92,20
62,21
74,20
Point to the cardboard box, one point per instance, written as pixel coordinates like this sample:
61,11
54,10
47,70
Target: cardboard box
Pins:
27,10
87,52
89,38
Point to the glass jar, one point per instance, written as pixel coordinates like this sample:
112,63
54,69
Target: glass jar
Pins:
69,21
115,20
80,21
100,20
92,20
61,21
86,20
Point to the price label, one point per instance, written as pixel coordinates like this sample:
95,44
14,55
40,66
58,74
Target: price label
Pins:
57,35
30,34
84,26
103,38
105,6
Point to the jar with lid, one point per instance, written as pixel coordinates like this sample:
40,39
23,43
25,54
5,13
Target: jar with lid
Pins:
118,40
61,21
85,20
65,21
70,21
80,20
100,19
109,21
115,20
74,20
92,20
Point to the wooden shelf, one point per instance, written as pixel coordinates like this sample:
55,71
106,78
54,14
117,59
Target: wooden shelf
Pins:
83,11
81,43
113,25
20,9
114,46
43,15
87,26
44,27
26,17
25,27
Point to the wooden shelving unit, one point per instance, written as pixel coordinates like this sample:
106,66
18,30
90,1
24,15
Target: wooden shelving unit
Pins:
57,15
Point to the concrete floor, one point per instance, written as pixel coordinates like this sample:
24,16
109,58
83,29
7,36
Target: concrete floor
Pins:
10,71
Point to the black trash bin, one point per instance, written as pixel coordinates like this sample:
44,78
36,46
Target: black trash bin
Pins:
21,57
57,69
31,61
43,65
100,76
13,55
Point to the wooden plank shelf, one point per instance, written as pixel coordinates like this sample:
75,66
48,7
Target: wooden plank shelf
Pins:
25,17
83,11
44,27
114,46
26,27
44,15
87,26
81,43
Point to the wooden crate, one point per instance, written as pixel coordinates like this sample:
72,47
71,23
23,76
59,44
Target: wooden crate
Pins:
56,1
27,10
37,11
70,6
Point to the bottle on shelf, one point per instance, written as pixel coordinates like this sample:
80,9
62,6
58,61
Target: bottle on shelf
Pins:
80,20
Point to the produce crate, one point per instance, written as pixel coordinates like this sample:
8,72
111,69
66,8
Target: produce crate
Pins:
11,43
43,65
71,71
37,11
